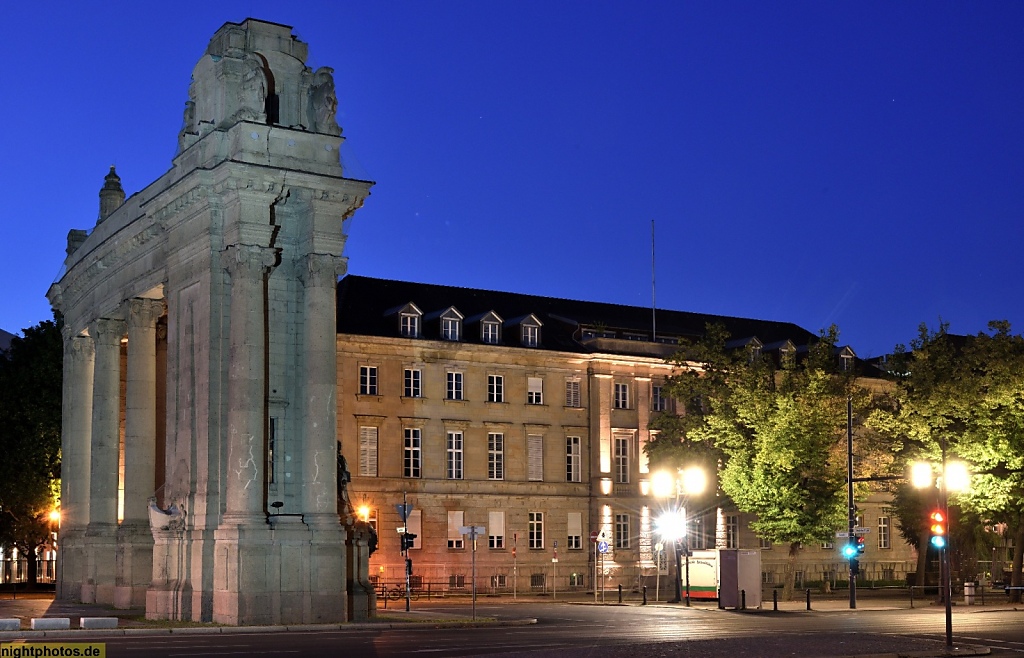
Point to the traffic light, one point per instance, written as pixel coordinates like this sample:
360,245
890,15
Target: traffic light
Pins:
860,545
854,567
938,528
407,540
849,550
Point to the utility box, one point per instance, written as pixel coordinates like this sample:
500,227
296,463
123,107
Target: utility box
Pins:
739,577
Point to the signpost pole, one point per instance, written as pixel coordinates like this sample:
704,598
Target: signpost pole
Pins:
554,574
515,564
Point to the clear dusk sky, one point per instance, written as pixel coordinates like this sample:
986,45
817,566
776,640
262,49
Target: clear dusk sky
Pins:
857,163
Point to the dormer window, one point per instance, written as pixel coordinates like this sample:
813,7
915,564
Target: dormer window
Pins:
529,331
451,325
410,325
490,327
787,354
846,357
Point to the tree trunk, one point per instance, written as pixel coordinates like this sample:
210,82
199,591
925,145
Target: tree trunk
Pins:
789,582
32,570
1018,558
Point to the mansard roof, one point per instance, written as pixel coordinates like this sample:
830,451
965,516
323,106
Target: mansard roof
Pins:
366,305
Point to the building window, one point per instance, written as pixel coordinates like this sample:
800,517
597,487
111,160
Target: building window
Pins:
271,450
454,460
577,579
536,529
732,530
884,529
410,325
622,531
411,460
457,581
495,456
621,400
368,451
454,385
622,459
496,529
455,522
573,459
534,457
765,544
495,388
537,580
499,581
368,380
827,545
534,390
413,383
531,335
572,393
575,531
490,332
451,328
414,525
658,401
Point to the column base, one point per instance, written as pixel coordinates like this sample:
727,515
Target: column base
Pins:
134,566
100,552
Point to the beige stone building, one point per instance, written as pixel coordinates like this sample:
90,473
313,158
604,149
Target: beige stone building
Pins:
528,416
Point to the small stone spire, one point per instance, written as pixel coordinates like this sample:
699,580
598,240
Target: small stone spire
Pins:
111,195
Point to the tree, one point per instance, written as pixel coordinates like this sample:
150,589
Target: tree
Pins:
779,427
31,372
964,395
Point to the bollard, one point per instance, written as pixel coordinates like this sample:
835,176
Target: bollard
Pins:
720,606
620,592
808,598
911,596
775,599
645,596
743,599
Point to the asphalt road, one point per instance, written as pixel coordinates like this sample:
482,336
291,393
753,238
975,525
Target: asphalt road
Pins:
614,631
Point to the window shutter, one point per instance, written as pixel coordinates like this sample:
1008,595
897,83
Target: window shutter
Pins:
575,524
368,451
455,519
496,524
535,457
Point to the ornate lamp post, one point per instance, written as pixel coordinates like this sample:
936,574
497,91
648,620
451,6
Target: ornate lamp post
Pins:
672,523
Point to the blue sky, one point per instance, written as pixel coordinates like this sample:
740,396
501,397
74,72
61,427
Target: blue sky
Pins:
857,163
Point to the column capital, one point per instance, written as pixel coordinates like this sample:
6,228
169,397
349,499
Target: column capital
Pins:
249,261
78,347
107,331
323,270
143,312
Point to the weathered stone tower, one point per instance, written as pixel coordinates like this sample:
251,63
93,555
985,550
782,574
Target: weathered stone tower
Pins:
208,489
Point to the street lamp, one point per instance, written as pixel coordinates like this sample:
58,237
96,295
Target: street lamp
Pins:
952,476
672,523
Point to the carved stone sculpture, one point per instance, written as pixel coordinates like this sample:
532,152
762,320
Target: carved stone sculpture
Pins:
252,92
323,102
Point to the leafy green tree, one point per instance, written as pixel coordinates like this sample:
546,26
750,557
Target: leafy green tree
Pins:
30,428
779,428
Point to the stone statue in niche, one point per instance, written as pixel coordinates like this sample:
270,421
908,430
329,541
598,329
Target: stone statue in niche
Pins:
323,102
252,92
345,508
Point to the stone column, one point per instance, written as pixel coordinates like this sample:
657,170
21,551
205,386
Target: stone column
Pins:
328,568
103,477
246,383
320,352
76,433
134,539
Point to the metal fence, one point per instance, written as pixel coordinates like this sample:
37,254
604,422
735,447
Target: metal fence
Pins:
16,570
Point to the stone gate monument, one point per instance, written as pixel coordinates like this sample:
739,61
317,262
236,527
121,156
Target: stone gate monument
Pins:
200,373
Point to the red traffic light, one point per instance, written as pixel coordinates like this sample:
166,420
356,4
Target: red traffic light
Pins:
938,528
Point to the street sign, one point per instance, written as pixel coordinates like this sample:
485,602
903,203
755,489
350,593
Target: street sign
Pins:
555,560
593,537
842,533
403,510
472,530
861,530
401,529
602,547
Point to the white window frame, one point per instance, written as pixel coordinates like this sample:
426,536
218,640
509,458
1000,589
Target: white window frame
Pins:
368,380
534,390
535,457
535,530
573,459
454,385
454,444
572,393
456,520
495,388
490,332
658,401
621,531
621,457
574,530
530,334
884,532
413,383
496,529
495,456
412,454
620,399
409,324
732,530
451,328
368,451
